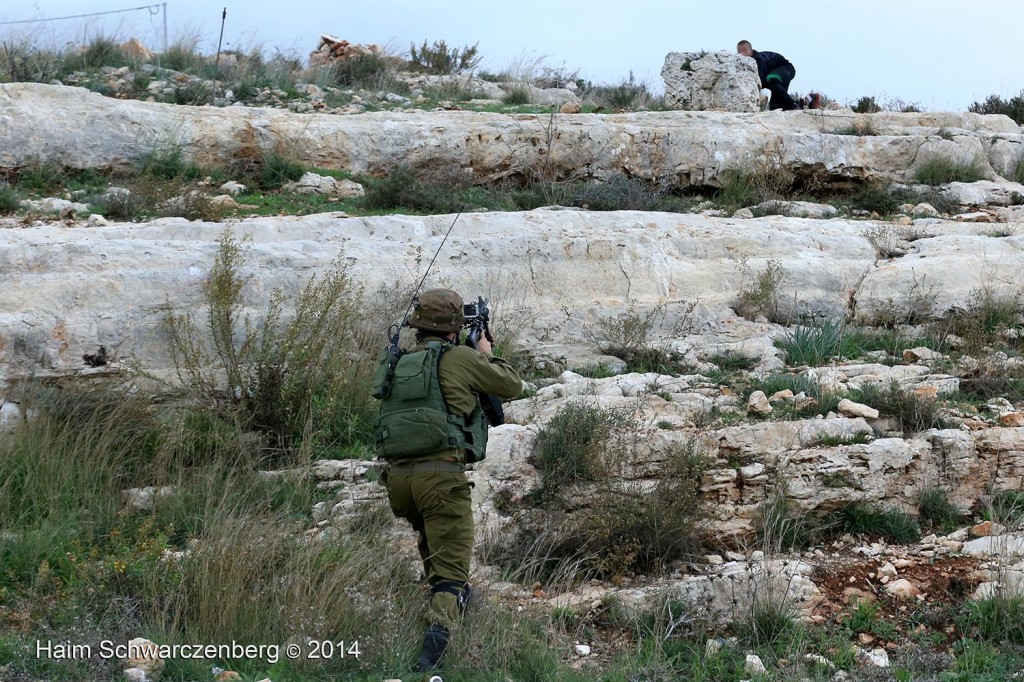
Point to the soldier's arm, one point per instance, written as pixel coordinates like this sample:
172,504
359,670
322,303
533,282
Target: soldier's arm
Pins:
489,374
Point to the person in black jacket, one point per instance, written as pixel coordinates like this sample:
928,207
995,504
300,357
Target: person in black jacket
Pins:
776,73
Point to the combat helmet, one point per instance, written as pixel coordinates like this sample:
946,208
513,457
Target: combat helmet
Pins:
437,310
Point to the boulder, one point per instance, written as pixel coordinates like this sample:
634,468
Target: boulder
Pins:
852,409
332,49
758,403
717,81
313,183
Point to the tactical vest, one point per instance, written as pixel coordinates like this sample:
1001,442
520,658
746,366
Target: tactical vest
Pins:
414,419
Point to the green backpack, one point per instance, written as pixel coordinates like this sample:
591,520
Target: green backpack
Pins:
414,419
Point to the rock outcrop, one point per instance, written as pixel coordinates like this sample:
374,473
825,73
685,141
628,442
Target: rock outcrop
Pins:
716,81
72,127
79,288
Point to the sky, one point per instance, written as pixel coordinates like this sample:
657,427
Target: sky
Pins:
940,54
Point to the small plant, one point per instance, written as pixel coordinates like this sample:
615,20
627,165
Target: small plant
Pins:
628,94
935,507
277,170
516,94
879,198
994,104
9,200
866,105
860,518
623,193
998,619
762,294
733,362
630,336
403,188
860,128
1006,507
443,60
940,170
988,314
837,441
817,345
912,412
169,164
866,618
570,447
780,525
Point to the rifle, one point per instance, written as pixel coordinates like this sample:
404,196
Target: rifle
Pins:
478,317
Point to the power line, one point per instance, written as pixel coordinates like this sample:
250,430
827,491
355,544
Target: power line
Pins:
153,9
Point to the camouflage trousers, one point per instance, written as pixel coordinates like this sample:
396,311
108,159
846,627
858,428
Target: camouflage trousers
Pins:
438,505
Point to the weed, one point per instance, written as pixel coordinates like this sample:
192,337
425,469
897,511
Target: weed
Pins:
912,412
935,507
516,94
441,59
762,293
780,526
275,170
628,94
630,336
570,447
623,193
994,104
879,198
403,188
817,345
10,201
998,619
734,362
860,128
1006,507
940,170
866,105
283,377
982,322
867,618
169,164
860,518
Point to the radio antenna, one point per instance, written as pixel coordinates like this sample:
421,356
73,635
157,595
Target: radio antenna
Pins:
424,278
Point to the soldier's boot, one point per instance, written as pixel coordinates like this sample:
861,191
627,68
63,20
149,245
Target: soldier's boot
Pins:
464,597
434,644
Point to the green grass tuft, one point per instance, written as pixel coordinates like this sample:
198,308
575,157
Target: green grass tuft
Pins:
939,170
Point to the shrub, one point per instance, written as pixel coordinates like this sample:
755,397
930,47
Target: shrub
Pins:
441,59
780,526
276,170
628,94
986,317
860,128
630,336
860,518
99,52
301,379
912,412
517,95
740,190
169,164
994,104
369,72
403,188
1006,507
762,293
939,170
866,105
935,507
43,178
572,445
9,200
623,193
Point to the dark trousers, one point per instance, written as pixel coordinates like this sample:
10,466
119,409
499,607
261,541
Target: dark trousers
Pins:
778,82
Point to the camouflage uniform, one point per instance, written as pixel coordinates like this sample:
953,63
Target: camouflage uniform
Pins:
431,491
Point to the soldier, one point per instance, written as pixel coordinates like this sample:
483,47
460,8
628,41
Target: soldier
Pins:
431,425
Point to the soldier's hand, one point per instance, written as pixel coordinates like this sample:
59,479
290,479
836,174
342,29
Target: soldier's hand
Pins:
483,345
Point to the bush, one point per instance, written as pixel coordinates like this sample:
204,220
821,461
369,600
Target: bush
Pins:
517,95
630,336
998,619
571,446
860,518
994,104
912,412
403,188
934,506
443,60
866,105
302,380
169,164
986,317
9,200
100,52
628,94
623,193
368,71
762,293
276,170
939,170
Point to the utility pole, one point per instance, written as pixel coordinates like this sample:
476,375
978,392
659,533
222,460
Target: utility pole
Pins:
165,26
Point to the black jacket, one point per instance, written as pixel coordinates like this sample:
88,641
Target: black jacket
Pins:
768,62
